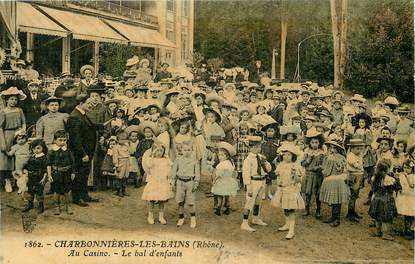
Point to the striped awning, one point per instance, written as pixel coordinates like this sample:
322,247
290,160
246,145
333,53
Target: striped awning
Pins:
141,36
85,27
31,20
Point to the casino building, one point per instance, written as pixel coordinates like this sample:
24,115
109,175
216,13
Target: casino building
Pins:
64,35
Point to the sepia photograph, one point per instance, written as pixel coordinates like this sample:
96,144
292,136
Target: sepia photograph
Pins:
207,131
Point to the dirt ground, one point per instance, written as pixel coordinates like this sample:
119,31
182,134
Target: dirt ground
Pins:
125,219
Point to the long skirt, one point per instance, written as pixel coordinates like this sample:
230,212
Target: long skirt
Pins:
382,207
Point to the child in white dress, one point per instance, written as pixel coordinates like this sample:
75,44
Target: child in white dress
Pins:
405,200
289,174
158,188
21,153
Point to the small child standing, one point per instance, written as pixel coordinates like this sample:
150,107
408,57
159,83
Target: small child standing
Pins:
312,163
405,200
289,174
121,160
382,207
37,174
107,167
254,170
158,187
147,130
355,178
132,147
21,153
269,149
185,178
225,183
59,166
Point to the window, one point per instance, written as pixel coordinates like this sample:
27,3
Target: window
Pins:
170,32
184,46
185,8
170,5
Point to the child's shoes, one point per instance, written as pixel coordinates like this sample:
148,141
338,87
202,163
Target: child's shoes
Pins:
258,221
245,226
150,219
180,222
193,222
161,219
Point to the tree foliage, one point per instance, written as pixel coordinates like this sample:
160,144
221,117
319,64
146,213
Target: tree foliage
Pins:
380,40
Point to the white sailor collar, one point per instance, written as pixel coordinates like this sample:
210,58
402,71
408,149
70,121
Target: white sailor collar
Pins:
39,155
56,148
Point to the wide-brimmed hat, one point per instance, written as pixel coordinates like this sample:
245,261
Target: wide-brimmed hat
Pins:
312,133
210,110
132,128
132,61
96,88
403,109
13,91
391,100
272,124
253,140
34,83
364,116
199,92
244,109
21,62
356,142
335,142
86,67
172,92
311,118
358,98
143,61
289,147
228,147
216,98
284,130
65,74
53,99
227,104
147,124
379,139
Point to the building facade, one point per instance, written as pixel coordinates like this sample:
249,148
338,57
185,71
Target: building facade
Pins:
163,25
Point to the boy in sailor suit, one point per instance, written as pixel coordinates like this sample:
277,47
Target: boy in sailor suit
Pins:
254,170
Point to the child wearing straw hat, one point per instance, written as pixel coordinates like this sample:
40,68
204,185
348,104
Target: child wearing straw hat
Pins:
312,163
289,175
225,183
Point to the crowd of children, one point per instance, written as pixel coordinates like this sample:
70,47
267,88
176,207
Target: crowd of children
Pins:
295,144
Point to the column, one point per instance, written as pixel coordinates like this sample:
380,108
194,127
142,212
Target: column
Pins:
66,54
156,61
96,57
29,47
190,29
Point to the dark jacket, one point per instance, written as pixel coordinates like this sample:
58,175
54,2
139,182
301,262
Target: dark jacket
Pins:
82,134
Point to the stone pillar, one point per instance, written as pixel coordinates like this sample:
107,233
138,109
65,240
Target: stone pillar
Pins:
178,31
29,47
190,28
66,54
95,57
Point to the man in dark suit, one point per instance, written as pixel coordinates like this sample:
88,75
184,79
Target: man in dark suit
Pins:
163,74
82,140
33,104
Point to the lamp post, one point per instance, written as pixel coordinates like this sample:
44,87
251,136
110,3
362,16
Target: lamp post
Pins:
297,76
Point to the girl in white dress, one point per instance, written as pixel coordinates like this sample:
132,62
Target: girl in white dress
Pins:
158,188
289,174
405,200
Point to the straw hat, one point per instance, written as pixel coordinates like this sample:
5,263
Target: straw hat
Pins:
356,142
132,61
210,110
335,141
391,100
244,109
53,99
358,98
378,140
289,147
13,91
147,124
113,101
86,67
403,109
225,145
312,132
199,92
133,128
216,98
34,83
272,124
228,104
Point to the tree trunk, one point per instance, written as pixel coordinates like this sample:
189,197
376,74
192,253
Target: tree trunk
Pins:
284,26
336,43
343,42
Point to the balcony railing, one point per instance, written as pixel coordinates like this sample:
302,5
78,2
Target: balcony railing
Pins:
108,7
